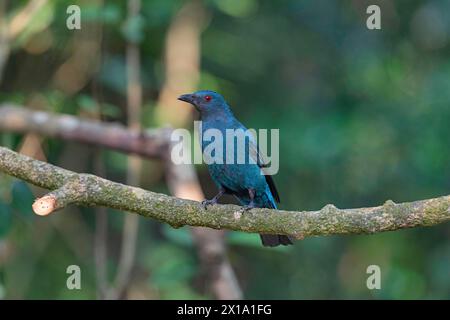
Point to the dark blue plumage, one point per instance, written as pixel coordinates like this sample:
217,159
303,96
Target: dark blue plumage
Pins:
244,181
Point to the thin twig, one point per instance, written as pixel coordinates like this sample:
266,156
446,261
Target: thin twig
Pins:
182,72
134,102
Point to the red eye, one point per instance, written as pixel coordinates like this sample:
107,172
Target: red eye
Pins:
208,98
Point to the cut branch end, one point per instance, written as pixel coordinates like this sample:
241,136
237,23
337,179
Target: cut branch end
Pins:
44,206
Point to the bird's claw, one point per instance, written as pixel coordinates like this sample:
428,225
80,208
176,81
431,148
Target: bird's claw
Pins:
206,203
246,208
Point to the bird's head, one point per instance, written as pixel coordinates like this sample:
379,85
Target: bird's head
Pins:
206,102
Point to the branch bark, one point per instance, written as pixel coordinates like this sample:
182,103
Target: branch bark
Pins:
90,190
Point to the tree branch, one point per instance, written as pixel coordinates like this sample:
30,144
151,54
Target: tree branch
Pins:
9,30
149,143
20,21
90,190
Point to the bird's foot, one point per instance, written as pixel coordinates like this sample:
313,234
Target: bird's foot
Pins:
205,203
247,208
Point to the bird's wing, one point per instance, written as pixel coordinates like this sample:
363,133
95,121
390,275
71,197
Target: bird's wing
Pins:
258,157
272,188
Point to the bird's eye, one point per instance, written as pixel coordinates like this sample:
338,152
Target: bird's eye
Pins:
208,98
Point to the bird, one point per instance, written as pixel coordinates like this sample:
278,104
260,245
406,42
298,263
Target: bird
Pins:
242,180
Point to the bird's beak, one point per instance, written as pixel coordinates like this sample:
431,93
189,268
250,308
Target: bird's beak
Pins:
189,98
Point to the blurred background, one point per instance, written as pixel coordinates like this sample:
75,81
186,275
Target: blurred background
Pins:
363,117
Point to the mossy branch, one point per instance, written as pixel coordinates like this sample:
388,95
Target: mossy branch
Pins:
90,190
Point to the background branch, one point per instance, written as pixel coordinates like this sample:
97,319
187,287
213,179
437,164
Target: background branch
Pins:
20,21
150,143
4,39
9,30
134,165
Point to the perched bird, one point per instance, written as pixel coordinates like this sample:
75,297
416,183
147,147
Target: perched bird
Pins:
242,180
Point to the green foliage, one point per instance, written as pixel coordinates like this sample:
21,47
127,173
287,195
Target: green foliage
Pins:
22,199
133,29
40,22
181,236
172,269
5,219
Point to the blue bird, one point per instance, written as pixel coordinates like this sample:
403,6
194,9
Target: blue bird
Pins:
242,180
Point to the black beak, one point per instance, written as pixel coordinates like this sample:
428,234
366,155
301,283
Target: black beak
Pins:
189,98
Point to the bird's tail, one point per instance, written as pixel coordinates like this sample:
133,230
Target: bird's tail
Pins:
273,240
